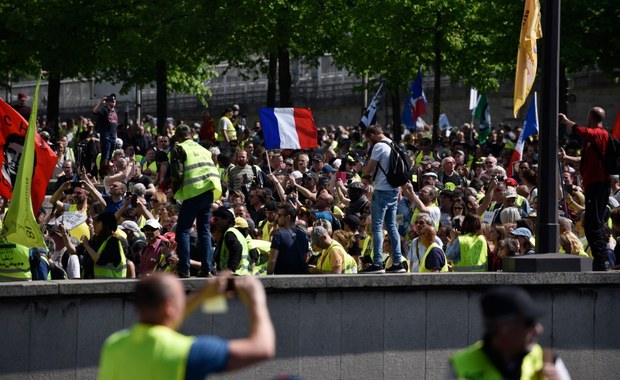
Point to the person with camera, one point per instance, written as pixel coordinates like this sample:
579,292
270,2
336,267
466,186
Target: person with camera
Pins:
106,125
153,349
242,176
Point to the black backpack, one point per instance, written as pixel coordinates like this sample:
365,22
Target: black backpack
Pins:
399,168
611,160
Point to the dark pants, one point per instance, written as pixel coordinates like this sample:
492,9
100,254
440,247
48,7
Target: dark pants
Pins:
597,197
196,209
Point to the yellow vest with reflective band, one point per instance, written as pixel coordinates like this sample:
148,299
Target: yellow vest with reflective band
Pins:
199,174
263,247
348,266
473,363
473,254
244,264
14,262
145,352
422,267
232,132
367,247
109,270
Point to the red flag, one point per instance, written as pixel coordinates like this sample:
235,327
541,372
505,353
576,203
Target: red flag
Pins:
12,133
616,131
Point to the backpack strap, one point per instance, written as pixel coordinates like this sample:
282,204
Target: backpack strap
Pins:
378,163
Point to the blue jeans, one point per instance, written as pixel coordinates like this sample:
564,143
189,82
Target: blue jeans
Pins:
197,208
383,208
107,147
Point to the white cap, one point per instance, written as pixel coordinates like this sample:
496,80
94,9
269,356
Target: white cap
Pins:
129,225
153,223
297,174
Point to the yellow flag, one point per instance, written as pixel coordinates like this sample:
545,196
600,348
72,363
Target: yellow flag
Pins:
527,56
20,225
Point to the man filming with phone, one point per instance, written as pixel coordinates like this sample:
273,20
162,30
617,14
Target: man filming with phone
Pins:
153,348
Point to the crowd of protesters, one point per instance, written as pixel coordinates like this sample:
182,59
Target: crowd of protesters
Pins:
303,211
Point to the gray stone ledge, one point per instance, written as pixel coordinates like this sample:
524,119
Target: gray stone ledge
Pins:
316,282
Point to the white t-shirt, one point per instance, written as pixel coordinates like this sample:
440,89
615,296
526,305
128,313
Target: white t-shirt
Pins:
381,153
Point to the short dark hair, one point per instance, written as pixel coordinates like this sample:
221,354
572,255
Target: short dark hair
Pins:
289,210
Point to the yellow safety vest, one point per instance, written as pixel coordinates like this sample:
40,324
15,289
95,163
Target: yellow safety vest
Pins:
145,352
266,230
422,267
473,363
82,229
109,270
263,247
230,128
199,174
244,264
348,266
14,262
473,254
152,167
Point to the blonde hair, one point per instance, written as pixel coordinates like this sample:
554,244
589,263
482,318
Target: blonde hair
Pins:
569,238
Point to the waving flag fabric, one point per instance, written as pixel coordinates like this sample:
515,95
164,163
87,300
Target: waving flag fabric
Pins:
530,128
12,134
415,106
370,116
483,114
28,188
527,55
288,128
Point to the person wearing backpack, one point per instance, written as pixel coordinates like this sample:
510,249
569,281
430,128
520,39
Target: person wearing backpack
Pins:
595,181
384,200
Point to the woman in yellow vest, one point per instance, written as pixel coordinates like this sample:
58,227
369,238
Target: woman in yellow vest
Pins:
334,258
468,251
109,259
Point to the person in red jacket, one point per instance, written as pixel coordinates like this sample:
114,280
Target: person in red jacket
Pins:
595,181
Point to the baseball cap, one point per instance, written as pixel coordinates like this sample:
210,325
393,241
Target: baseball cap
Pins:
110,97
328,168
509,300
224,213
510,193
357,185
317,233
297,174
521,231
129,225
317,157
511,182
241,222
426,160
152,223
430,174
22,95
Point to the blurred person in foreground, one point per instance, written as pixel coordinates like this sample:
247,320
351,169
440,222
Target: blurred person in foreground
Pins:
152,349
508,349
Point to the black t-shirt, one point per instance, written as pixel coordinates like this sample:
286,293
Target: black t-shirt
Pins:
435,259
107,122
292,245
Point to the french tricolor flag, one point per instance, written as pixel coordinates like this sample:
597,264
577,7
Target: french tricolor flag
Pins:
530,128
288,128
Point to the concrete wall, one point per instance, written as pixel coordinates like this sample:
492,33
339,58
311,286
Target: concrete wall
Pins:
328,327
